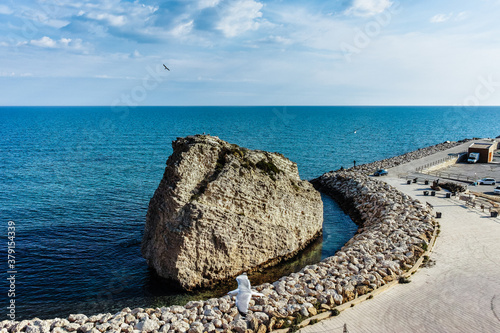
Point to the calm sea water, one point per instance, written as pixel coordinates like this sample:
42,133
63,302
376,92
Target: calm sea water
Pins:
77,182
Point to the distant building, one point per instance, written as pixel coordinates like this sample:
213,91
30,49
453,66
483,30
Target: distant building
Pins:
485,150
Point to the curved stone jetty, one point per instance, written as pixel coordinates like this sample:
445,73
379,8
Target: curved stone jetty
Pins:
391,162
394,232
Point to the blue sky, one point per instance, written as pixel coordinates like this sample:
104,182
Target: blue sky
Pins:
249,52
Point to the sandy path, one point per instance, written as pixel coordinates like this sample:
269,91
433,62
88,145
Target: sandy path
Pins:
459,293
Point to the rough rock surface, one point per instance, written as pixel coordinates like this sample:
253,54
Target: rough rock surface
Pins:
221,209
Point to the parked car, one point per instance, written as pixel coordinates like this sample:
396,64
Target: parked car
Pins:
381,172
497,190
486,181
473,158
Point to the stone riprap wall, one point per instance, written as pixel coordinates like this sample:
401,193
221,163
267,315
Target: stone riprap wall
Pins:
388,163
394,230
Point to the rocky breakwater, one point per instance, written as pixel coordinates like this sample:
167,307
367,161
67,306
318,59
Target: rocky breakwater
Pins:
394,228
388,163
221,209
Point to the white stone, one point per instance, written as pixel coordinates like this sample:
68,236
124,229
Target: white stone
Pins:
147,325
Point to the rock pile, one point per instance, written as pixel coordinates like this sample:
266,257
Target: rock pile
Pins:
394,232
370,168
221,209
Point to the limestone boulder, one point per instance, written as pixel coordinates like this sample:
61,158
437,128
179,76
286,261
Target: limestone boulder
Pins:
221,209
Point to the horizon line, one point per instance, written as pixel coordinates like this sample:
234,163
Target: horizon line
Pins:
258,105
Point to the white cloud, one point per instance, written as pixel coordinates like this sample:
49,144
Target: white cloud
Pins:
54,18
5,10
56,23
13,74
115,77
113,20
202,4
183,29
278,39
78,45
440,18
368,7
63,43
119,14
461,16
136,54
325,34
239,17
44,42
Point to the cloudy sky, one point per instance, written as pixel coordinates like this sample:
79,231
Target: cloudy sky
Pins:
249,52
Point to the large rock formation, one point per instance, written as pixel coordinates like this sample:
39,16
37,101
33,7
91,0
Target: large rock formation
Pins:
221,209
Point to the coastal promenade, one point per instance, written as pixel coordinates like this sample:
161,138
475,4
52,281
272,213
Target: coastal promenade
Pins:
458,290
442,165
410,168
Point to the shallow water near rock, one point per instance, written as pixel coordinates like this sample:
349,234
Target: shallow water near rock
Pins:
77,182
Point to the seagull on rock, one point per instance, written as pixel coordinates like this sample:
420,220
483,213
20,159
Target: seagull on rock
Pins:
243,294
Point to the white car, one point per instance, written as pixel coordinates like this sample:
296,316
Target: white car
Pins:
497,190
486,181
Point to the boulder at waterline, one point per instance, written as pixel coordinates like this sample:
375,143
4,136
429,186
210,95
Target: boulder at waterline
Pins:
221,209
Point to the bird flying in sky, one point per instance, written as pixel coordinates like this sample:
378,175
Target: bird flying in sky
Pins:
166,67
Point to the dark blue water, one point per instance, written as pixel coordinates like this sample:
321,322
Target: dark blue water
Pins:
77,182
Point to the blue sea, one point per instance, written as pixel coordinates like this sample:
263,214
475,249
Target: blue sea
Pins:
76,181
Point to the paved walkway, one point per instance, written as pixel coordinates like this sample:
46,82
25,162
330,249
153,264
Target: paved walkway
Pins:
409,168
473,171
459,293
